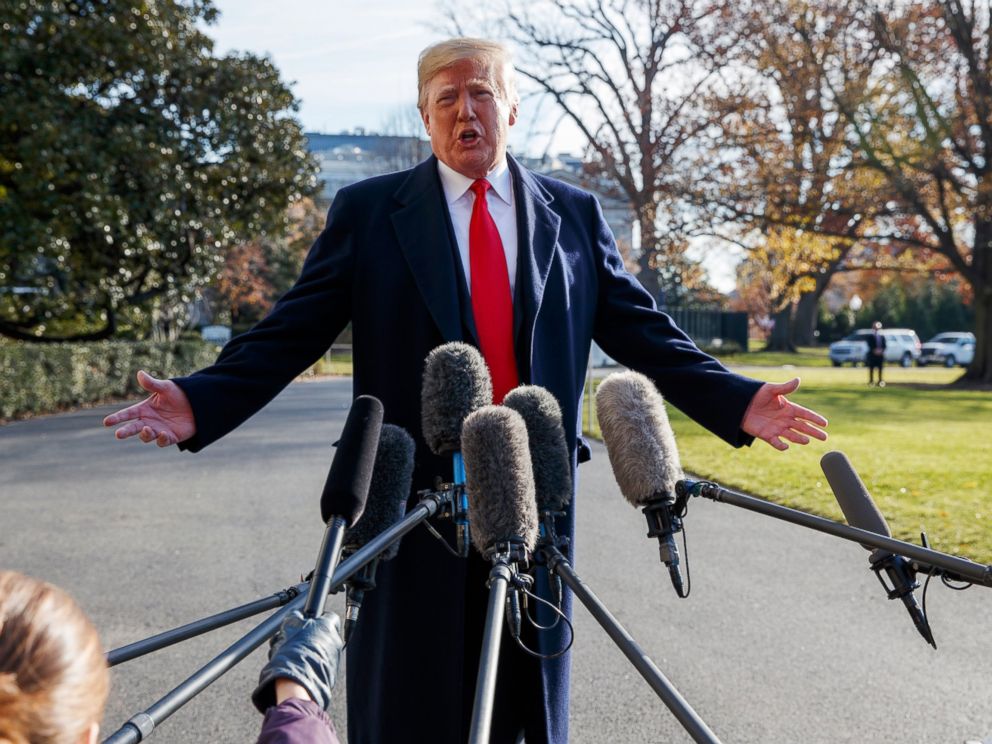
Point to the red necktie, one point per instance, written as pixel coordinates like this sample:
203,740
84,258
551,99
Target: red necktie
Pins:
492,304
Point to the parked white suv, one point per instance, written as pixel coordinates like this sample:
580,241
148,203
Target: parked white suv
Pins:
948,349
902,345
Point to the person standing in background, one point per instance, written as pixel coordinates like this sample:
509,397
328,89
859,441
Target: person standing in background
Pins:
876,354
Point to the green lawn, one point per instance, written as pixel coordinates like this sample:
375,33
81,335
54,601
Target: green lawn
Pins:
806,356
923,450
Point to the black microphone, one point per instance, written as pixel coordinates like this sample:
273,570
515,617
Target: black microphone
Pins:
503,509
645,460
345,492
455,382
550,462
392,480
860,511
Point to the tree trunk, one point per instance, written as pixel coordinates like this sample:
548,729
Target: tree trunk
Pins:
980,369
804,325
781,335
647,271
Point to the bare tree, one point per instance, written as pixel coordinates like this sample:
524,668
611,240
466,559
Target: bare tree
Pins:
630,76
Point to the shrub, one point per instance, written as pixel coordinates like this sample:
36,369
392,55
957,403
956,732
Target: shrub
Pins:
43,378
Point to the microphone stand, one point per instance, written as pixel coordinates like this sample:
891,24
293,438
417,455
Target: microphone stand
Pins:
199,627
429,505
138,727
505,556
559,565
924,559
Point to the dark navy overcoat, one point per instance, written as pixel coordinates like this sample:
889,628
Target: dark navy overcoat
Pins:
387,262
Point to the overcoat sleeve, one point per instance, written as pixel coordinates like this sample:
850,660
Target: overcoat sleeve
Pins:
256,365
296,721
633,331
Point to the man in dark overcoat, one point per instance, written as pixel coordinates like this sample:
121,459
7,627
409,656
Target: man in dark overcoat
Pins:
408,259
875,358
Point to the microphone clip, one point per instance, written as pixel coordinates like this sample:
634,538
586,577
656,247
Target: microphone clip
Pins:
547,533
664,517
905,576
512,551
454,506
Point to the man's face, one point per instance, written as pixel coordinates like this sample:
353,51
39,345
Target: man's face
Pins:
468,117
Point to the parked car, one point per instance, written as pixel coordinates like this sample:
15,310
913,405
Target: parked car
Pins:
902,345
948,349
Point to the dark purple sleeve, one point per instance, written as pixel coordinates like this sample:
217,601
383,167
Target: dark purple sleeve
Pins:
296,721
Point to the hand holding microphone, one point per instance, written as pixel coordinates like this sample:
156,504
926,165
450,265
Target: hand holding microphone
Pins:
306,651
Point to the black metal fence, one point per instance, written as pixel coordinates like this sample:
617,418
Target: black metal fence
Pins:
711,328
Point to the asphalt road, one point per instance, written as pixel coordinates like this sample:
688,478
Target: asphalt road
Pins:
786,636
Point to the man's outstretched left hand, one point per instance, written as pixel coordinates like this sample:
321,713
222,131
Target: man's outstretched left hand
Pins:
773,418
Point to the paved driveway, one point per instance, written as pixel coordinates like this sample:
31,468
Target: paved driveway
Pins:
786,637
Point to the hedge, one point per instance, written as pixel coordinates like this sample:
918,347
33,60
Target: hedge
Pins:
43,378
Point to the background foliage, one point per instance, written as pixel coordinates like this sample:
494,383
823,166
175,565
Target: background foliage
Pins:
44,378
131,160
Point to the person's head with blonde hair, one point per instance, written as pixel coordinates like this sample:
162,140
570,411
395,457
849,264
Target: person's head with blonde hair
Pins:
446,53
53,674
468,100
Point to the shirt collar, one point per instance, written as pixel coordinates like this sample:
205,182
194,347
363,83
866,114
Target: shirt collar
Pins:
455,184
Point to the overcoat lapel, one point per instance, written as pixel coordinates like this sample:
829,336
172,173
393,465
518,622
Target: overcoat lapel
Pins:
423,233
537,235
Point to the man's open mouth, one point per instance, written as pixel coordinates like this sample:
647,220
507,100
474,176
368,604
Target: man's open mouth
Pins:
468,136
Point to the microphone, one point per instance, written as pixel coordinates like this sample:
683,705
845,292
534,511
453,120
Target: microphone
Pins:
860,511
455,382
498,471
345,492
392,479
503,509
504,530
550,462
641,447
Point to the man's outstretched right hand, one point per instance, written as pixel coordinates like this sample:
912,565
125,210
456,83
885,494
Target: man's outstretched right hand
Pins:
164,417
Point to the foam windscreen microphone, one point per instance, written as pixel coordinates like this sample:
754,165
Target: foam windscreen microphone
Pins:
345,492
347,484
550,462
392,481
389,490
641,447
455,383
503,509
546,440
860,511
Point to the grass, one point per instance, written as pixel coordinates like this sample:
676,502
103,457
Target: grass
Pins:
922,448
334,362
806,356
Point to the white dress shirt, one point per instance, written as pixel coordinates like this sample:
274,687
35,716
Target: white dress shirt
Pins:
460,199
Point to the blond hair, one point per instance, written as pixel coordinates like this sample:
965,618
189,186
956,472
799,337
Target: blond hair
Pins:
444,54
53,675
